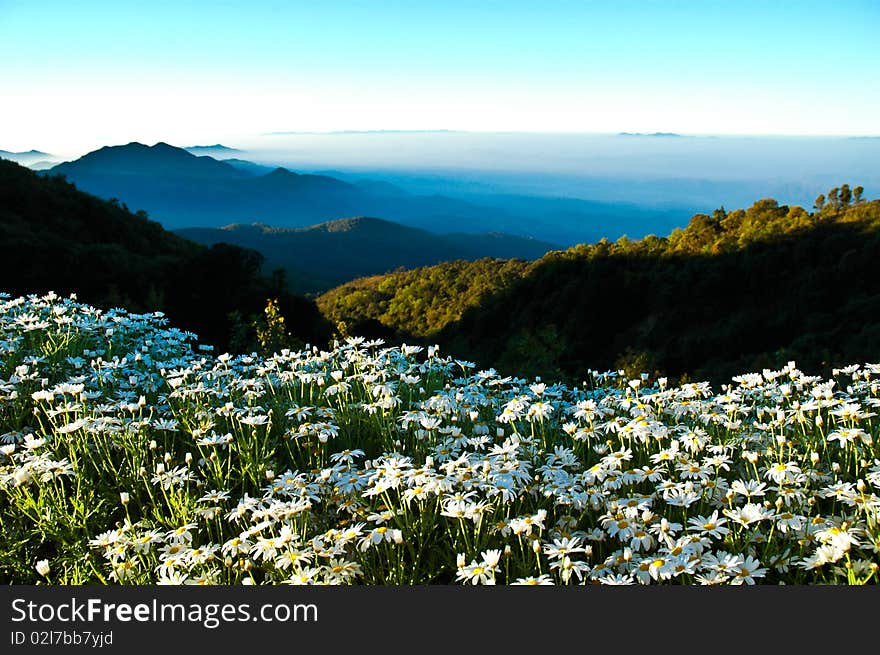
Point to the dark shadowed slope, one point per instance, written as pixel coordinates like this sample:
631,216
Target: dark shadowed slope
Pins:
319,257
54,237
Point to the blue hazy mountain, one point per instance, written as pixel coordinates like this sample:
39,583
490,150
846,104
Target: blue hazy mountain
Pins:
249,166
180,189
692,173
34,159
377,187
319,257
216,150
136,159
6,154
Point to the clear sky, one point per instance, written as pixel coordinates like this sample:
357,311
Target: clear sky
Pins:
78,74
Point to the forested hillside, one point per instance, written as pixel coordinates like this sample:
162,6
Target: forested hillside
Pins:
320,257
54,237
734,290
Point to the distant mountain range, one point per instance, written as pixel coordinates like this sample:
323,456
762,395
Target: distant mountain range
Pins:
181,189
216,149
30,153
648,134
33,159
319,257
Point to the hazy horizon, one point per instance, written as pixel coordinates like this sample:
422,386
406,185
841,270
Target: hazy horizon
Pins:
693,172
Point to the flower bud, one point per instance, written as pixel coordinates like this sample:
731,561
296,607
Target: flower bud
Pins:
124,497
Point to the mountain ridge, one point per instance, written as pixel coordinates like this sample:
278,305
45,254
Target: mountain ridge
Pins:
31,158
217,147
180,189
160,159
320,256
3,153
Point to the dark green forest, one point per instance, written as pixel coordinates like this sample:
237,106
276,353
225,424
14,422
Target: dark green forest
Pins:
54,237
734,291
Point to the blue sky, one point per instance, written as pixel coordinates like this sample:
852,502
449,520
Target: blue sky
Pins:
77,74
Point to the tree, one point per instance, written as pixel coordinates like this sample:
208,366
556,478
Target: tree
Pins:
272,334
833,198
820,202
845,195
857,194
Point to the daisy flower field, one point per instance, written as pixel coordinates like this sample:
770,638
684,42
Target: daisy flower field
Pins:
130,454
